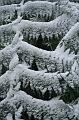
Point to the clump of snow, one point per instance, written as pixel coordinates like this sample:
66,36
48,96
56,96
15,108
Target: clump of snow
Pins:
14,62
18,38
9,117
53,108
74,67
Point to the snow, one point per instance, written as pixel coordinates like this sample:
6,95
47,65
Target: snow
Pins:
9,2
13,62
75,65
45,27
63,62
17,20
22,2
39,79
18,113
18,38
36,106
72,31
68,18
9,117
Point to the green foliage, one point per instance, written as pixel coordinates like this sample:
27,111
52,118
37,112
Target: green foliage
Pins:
24,115
49,94
4,69
3,22
43,43
42,116
1,46
1,99
15,15
33,92
37,93
62,83
70,94
46,69
1,115
25,16
39,41
13,116
53,93
31,40
34,65
51,118
32,117
46,43
28,38
46,95
28,89
76,90
39,16
48,18
54,41
42,18
20,57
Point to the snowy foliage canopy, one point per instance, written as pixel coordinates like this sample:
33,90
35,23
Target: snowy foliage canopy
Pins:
39,60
